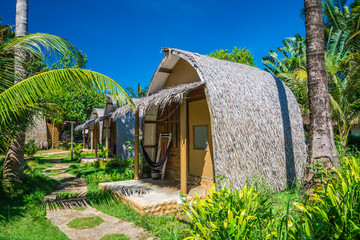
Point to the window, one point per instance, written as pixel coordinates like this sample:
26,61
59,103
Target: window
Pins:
200,137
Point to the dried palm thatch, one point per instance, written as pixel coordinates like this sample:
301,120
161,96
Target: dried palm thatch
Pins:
159,99
95,116
257,128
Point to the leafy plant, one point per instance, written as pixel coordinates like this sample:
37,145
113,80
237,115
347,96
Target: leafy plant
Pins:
333,210
104,151
228,214
78,149
31,148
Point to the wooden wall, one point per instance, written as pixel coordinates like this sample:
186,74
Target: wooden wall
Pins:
168,121
49,127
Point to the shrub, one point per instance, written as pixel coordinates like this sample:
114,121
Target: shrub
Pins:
229,214
333,210
78,149
100,177
103,151
120,163
31,148
114,163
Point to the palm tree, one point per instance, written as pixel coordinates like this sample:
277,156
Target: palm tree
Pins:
292,70
140,92
16,99
322,146
14,159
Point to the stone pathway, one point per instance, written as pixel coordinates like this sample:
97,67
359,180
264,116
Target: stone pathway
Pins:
60,217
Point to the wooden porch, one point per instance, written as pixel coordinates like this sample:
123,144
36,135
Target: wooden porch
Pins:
148,196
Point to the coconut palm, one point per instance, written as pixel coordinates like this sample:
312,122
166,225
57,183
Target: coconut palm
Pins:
339,16
140,92
17,99
322,146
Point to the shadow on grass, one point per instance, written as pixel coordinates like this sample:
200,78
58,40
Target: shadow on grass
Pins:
25,197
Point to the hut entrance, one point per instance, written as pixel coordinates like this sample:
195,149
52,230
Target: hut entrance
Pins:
200,145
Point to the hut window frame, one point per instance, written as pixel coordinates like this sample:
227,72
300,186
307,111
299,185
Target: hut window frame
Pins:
200,140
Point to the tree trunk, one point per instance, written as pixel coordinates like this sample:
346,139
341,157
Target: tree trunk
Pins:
13,168
322,146
14,159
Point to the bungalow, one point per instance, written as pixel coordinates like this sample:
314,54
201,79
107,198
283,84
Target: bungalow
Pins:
225,119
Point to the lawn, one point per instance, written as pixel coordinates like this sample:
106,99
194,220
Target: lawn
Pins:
23,217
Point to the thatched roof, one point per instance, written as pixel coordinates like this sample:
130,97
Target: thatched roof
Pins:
257,128
95,116
159,99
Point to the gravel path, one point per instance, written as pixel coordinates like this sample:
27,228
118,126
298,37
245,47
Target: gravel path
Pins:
60,217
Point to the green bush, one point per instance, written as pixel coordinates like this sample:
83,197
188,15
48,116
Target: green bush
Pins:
100,177
114,163
120,163
31,148
333,210
78,149
229,214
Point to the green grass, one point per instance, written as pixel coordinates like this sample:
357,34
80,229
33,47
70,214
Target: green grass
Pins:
21,213
79,208
86,222
280,200
115,236
94,173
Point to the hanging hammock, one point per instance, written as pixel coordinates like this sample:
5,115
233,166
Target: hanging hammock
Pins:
148,159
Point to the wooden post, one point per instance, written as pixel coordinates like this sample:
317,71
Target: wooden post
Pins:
92,138
106,123
84,138
53,133
95,138
136,147
72,140
183,148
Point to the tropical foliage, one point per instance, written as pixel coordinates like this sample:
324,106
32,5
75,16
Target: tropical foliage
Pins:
139,92
332,211
238,55
288,63
31,148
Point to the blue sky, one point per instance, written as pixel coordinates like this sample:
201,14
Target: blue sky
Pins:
123,38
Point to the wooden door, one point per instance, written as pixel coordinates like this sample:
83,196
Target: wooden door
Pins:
200,144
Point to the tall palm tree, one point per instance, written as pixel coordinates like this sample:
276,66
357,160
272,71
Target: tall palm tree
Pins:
14,159
322,146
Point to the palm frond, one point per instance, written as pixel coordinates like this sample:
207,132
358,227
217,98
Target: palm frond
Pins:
17,98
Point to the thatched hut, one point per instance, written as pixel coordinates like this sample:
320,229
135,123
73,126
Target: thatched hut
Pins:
113,134
94,129
44,132
226,119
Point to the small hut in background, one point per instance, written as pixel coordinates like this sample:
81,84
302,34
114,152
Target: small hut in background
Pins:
43,132
226,119
114,134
